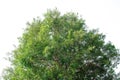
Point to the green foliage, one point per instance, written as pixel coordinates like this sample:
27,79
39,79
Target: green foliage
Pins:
60,47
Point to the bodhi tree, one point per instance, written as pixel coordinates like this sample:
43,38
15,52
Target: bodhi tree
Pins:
60,47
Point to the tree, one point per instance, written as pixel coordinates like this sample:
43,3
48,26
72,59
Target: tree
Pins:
60,47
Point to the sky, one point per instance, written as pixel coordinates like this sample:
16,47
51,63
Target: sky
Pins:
14,14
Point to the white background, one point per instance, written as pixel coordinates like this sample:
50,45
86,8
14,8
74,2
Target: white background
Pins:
102,14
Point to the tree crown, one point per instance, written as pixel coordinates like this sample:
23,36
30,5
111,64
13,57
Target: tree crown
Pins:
60,47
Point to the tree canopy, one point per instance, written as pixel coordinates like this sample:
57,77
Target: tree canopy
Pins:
60,47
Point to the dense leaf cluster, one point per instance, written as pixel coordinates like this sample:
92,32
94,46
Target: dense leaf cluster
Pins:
60,47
